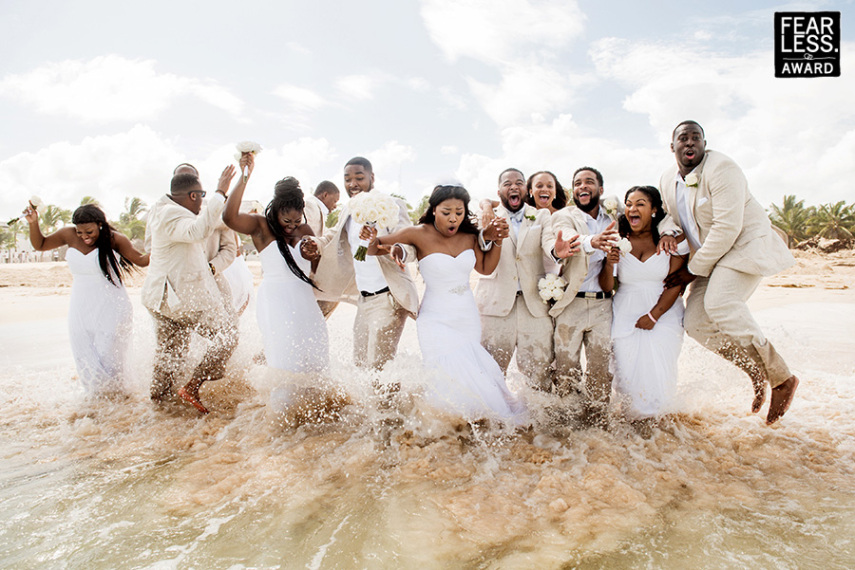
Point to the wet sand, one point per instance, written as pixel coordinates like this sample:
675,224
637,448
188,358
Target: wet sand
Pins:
124,483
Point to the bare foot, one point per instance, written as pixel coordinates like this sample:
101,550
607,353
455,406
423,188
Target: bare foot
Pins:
191,399
759,396
782,397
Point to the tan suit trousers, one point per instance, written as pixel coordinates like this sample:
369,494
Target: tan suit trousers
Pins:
377,329
531,337
173,340
717,316
584,323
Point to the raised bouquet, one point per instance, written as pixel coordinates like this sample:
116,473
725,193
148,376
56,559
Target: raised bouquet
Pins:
372,209
625,246
246,147
551,288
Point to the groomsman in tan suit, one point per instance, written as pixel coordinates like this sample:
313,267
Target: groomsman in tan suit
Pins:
732,247
381,286
513,316
180,291
318,207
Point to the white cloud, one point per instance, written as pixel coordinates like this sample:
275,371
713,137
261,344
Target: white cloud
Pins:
110,88
494,30
359,87
136,163
389,162
449,149
300,98
525,93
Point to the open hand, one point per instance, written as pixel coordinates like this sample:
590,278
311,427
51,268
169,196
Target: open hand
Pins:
226,179
605,240
667,244
564,248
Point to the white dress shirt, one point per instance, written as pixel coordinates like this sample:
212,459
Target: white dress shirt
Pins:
597,225
687,220
369,275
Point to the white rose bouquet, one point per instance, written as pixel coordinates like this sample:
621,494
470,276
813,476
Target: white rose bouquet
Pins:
551,288
372,209
35,203
611,207
625,246
246,147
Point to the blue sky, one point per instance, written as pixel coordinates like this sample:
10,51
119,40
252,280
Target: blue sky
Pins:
105,98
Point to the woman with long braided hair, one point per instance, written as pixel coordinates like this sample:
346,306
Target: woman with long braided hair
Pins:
100,318
292,326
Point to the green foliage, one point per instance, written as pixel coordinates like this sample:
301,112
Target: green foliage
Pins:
418,212
833,221
792,217
90,200
332,218
53,217
129,222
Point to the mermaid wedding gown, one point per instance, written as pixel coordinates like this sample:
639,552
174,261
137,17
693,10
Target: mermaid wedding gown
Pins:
466,379
100,323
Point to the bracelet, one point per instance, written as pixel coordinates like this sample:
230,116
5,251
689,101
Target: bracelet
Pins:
652,318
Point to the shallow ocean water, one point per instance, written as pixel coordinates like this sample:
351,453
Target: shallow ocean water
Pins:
110,484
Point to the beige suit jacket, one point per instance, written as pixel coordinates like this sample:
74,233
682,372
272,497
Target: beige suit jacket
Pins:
335,276
734,230
314,213
178,281
570,221
521,259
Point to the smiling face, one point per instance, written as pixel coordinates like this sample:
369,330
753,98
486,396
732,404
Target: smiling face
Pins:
512,190
688,147
290,219
88,232
586,190
543,190
357,179
449,215
639,211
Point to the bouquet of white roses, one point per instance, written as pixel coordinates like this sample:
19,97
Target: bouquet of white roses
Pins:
551,288
611,206
246,147
35,203
372,209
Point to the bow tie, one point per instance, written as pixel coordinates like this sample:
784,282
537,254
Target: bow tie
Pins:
517,216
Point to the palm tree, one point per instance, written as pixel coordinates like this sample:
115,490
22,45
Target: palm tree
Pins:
416,214
52,216
792,217
130,223
834,221
89,200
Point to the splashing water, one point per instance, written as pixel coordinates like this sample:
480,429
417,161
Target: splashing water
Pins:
391,484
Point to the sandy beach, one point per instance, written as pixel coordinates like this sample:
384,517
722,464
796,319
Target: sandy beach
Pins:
125,484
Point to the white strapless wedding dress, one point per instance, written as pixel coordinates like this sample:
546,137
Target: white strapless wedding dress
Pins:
292,326
100,323
466,379
645,362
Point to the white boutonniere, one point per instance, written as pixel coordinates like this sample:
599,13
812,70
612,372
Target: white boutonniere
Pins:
611,207
692,180
529,215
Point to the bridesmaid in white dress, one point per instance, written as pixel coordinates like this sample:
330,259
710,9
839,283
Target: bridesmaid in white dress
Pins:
100,319
292,326
647,325
468,382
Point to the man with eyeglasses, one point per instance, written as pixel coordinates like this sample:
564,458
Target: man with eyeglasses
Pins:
180,291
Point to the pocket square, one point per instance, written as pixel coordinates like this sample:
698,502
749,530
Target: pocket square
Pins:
703,201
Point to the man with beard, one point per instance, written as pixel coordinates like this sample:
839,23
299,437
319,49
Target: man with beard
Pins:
381,287
732,247
513,316
583,317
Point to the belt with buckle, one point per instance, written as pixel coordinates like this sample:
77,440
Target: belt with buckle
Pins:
594,294
378,292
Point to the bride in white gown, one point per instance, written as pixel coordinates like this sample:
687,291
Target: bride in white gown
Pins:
467,381
647,324
100,318
296,343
